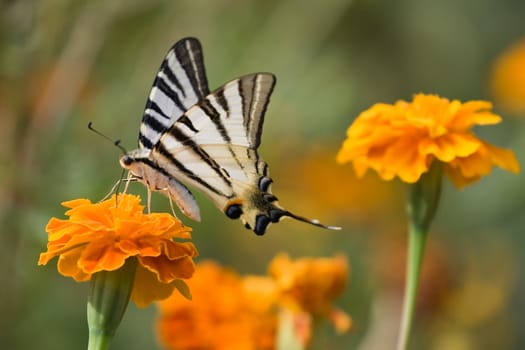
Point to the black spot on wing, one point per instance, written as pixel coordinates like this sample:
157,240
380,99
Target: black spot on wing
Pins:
234,211
261,222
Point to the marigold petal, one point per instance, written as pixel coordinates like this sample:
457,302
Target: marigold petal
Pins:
168,270
67,266
475,113
404,160
457,178
147,288
450,146
463,171
57,229
75,203
99,256
503,158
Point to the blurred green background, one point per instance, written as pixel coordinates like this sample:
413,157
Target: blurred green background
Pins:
64,63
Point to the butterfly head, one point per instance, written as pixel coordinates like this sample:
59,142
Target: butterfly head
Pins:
134,161
260,208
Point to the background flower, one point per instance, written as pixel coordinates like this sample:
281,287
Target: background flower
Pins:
403,140
224,313
233,312
507,80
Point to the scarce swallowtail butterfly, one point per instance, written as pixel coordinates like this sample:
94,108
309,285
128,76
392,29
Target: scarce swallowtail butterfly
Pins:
189,136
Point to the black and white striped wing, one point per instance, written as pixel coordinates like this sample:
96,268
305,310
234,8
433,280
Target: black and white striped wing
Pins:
213,146
180,83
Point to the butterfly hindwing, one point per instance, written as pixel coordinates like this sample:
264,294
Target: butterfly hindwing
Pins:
213,145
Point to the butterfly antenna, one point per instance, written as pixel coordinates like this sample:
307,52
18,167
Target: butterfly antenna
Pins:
314,222
115,142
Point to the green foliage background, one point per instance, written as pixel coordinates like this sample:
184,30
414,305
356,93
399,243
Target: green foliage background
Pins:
64,63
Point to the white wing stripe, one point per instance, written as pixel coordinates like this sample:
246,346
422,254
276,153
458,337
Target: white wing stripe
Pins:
187,89
165,103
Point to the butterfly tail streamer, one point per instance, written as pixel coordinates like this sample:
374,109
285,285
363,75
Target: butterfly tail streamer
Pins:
314,222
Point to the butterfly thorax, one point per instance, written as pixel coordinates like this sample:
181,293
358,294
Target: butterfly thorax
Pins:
143,169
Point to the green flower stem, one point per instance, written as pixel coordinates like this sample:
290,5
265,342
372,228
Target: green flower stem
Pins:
416,248
287,337
423,202
107,302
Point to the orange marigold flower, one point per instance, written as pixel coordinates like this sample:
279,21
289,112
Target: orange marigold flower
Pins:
101,236
403,139
309,285
248,312
508,78
226,312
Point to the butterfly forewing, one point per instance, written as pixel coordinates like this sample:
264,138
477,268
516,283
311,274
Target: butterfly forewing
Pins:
180,83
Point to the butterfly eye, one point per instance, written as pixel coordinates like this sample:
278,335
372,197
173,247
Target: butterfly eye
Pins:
264,183
126,160
234,211
261,222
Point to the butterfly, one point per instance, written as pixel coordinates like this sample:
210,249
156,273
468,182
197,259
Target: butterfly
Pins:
191,137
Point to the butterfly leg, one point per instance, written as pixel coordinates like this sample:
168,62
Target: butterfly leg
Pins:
149,201
128,180
115,187
112,190
167,192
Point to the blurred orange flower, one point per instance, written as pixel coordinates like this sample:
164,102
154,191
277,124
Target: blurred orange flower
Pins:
245,312
403,139
225,313
310,285
324,181
508,78
101,236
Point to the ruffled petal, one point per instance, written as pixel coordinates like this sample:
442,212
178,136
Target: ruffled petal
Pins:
450,146
168,270
101,256
67,266
503,158
147,288
404,160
